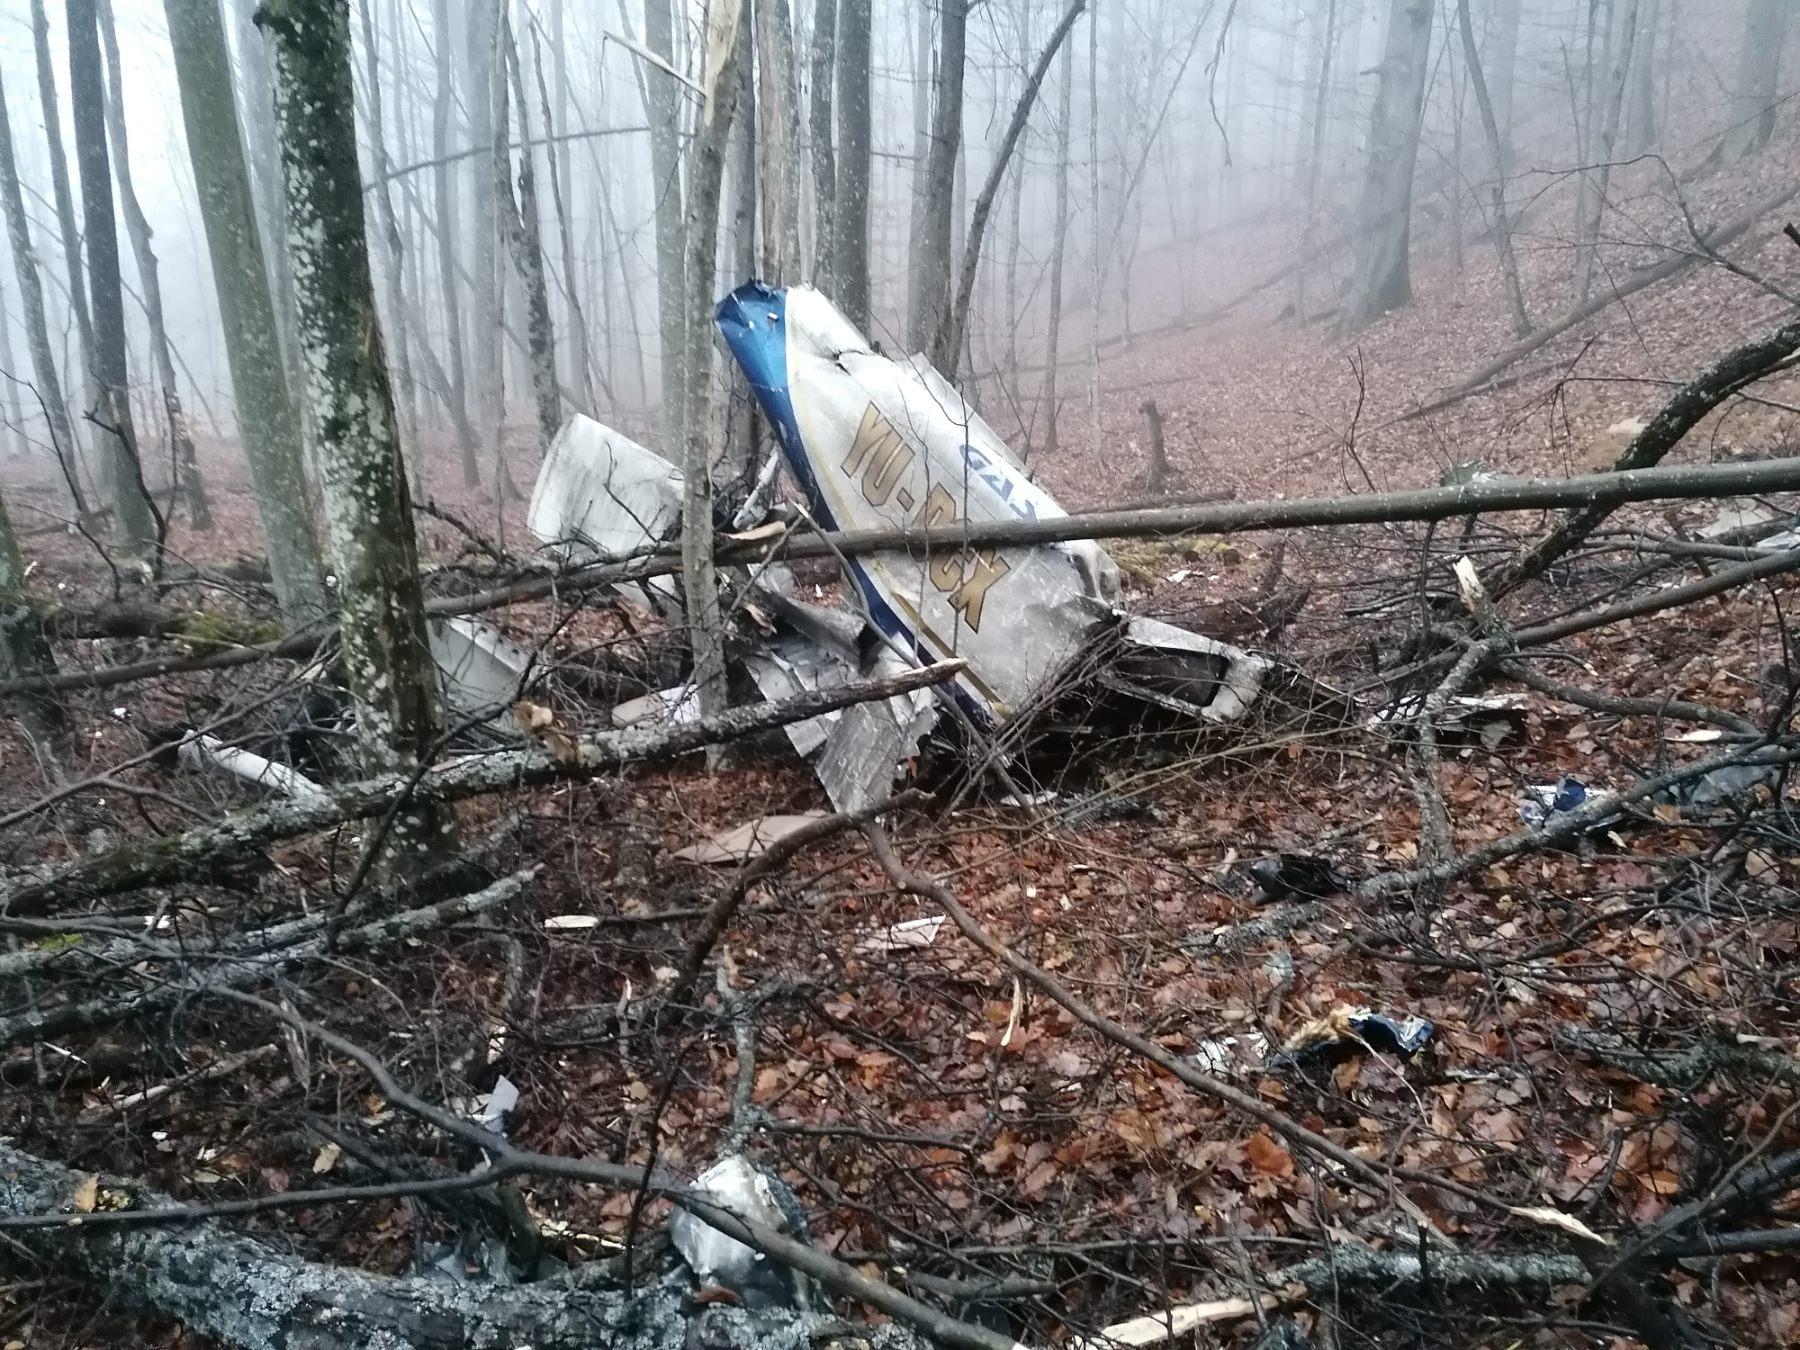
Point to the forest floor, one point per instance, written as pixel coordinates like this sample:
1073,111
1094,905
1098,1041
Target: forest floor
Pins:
930,1110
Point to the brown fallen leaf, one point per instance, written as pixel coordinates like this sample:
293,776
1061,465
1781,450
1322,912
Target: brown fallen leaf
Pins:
86,1196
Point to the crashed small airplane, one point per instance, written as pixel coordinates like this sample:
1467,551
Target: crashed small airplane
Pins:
873,442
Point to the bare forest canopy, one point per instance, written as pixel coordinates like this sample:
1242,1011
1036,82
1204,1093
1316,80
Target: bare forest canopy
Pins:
992,673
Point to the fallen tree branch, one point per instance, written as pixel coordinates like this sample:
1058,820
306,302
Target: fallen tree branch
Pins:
1415,504
207,848
228,970
1621,290
1681,414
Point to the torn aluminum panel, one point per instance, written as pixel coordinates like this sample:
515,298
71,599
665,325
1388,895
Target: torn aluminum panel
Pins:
872,443
602,497
1185,672
201,751
481,671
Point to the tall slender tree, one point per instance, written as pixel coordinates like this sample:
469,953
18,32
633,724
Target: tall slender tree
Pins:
488,351
443,185
137,229
778,139
31,300
368,511
1596,174
661,107
1500,223
719,94
1059,247
933,246
850,231
1384,215
1756,102
522,227
267,418
136,522
824,154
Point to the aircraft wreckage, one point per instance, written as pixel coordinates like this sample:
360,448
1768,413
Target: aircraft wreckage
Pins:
873,442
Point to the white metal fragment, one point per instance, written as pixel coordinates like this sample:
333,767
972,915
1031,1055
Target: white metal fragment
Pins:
202,751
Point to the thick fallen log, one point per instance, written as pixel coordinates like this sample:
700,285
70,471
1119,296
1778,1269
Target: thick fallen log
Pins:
242,1293
218,846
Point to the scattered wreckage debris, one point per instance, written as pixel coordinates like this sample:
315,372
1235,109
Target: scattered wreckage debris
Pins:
1322,1042
739,1187
869,441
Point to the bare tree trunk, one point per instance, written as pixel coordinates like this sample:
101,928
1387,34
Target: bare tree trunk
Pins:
952,327
487,351
706,625
1156,472
1756,103
368,511
1500,221
15,418
778,140
1596,175
557,162
660,107
267,418
262,153
186,470
824,159
1096,301
31,299
135,519
520,222
930,296
1017,224
444,194
68,228
393,248
1384,218
741,145
1325,33
1641,135
850,239
925,80
1059,248
1501,69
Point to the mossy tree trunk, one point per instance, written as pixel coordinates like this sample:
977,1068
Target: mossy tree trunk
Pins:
368,511
268,420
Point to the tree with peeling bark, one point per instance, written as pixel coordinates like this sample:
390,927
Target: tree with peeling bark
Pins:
1384,214
268,421
850,230
523,231
31,298
719,92
137,228
368,509
136,522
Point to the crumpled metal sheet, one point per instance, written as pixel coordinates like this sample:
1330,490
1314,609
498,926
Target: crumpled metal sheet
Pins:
600,497
873,443
481,671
